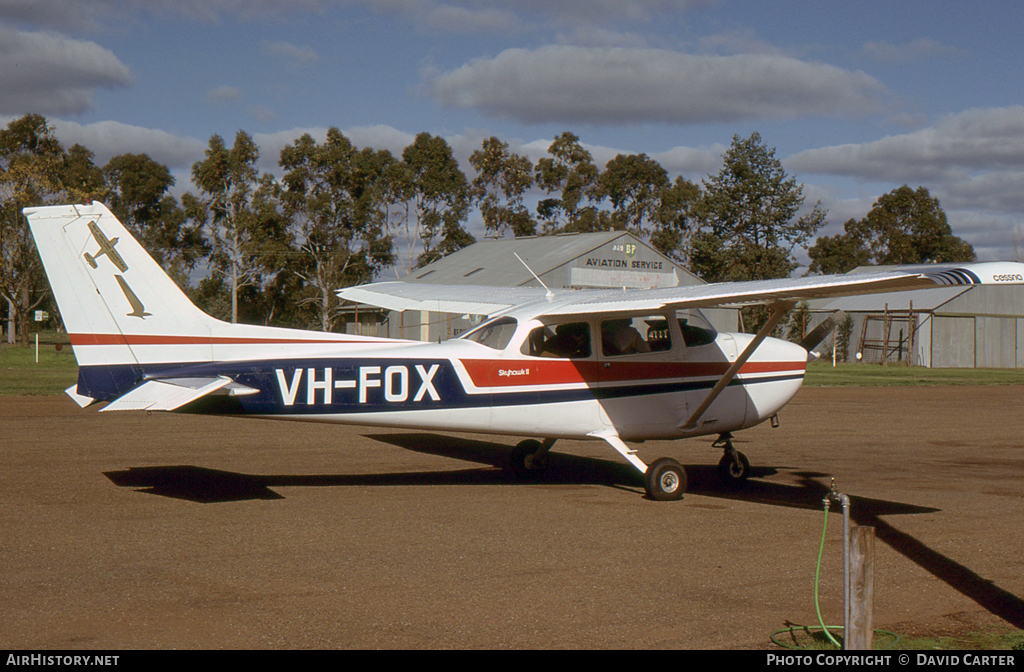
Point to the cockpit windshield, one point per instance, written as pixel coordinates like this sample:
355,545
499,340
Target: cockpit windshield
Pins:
695,328
494,333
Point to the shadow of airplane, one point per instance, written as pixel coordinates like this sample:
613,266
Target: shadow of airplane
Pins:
199,484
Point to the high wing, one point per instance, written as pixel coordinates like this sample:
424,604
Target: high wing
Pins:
472,299
475,299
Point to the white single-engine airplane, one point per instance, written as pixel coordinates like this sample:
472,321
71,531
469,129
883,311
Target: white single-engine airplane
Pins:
613,365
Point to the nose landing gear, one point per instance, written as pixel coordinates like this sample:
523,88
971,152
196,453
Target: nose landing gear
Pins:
530,457
734,467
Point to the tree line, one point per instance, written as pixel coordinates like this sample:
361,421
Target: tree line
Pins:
273,250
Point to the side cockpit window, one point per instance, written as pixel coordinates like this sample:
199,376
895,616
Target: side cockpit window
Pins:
633,335
567,341
494,334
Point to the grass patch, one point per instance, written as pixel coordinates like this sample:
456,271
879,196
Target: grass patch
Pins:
812,639
975,641
21,375
822,374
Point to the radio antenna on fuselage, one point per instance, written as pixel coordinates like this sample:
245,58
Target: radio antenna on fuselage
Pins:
550,294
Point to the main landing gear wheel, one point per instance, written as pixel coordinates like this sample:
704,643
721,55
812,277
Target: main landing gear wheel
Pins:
529,458
665,480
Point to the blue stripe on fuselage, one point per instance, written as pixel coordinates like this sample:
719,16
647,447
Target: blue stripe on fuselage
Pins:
366,385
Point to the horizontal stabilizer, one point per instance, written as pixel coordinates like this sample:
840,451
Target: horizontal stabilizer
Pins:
169,394
80,399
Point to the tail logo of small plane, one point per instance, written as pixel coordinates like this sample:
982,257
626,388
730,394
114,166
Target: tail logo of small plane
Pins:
138,310
106,249
107,246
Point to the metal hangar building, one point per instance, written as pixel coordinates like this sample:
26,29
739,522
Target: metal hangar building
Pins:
973,326
606,260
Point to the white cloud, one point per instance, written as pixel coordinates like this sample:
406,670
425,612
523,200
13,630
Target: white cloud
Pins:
980,139
445,15
1001,191
469,20
918,50
107,139
54,74
973,162
262,113
741,41
991,234
65,15
224,94
299,56
574,12
559,83
692,161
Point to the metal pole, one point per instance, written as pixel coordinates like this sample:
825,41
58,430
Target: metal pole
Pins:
845,501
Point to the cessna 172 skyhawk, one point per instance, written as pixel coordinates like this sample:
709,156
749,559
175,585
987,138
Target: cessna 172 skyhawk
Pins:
612,365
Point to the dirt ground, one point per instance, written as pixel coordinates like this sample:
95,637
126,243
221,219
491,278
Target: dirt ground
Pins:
127,531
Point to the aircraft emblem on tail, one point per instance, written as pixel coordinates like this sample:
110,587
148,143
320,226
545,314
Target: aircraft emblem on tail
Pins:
106,248
138,310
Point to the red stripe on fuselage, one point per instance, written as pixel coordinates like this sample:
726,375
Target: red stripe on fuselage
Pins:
514,373
148,339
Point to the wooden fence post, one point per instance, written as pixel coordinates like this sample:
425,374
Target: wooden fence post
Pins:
862,588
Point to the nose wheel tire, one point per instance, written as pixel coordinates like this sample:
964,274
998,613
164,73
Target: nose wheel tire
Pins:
734,471
528,459
665,480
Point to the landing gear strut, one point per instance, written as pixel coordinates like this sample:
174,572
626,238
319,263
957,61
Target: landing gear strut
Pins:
664,479
734,467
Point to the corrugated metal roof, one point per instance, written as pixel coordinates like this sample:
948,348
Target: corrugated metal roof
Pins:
492,262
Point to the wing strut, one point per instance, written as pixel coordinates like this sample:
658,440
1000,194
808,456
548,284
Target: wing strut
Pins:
779,310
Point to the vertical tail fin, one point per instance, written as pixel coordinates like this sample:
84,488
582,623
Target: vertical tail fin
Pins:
112,295
117,303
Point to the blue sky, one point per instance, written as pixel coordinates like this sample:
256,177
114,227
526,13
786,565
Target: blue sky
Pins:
857,98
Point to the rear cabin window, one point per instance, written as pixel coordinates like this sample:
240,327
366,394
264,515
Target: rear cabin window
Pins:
635,335
568,341
494,334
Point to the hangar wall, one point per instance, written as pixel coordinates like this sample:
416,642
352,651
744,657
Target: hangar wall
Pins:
980,326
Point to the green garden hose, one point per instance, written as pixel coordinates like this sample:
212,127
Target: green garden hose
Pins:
817,608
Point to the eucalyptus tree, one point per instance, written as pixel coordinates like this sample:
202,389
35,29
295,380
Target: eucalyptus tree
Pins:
239,209
904,226
332,194
139,195
35,170
673,222
438,194
501,181
646,203
570,173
